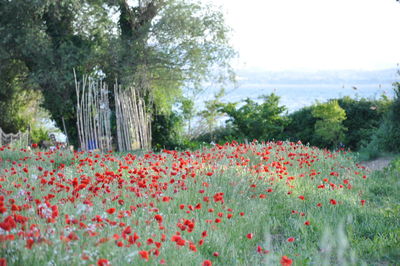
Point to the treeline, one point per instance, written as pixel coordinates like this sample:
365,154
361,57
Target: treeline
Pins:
368,125
157,47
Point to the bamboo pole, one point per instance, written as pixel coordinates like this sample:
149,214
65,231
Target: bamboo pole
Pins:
78,108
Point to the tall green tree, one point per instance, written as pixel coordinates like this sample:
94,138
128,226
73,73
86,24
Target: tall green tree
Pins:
157,46
43,37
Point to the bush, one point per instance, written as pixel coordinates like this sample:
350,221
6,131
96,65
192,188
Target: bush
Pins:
363,118
167,131
39,134
301,126
387,137
257,121
329,129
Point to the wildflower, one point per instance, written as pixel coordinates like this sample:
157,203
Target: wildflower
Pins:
259,249
103,262
111,210
193,247
206,263
159,218
144,254
285,261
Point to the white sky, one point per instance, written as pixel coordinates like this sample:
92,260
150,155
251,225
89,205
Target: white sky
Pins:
314,34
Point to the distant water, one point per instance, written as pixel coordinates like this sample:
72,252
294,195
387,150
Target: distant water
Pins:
296,96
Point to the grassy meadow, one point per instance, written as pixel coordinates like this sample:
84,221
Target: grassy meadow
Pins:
274,203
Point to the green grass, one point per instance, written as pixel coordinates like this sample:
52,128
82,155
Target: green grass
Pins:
347,233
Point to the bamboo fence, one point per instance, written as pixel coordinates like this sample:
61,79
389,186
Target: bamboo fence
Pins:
21,138
93,114
133,121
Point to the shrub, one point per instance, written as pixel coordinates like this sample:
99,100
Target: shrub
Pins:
257,121
363,118
39,134
329,129
387,137
301,126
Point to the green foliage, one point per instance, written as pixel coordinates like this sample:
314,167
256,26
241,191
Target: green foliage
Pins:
387,136
329,129
156,46
301,126
167,131
17,104
363,117
188,111
252,120
39,134
42,37
392,122
211,113
394,166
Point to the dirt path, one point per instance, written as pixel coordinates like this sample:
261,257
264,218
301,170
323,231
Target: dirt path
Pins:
377,164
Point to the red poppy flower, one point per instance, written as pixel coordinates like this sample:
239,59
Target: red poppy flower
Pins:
285,261
206,263
159,218
103,262
193,247
290,239
259,249
144,254
249,236
111,210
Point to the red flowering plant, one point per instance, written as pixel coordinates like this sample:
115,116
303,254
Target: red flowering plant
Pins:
228,203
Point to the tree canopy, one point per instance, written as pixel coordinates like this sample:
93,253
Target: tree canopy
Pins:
157,46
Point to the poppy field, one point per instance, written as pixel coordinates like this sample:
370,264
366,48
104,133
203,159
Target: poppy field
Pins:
274,203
